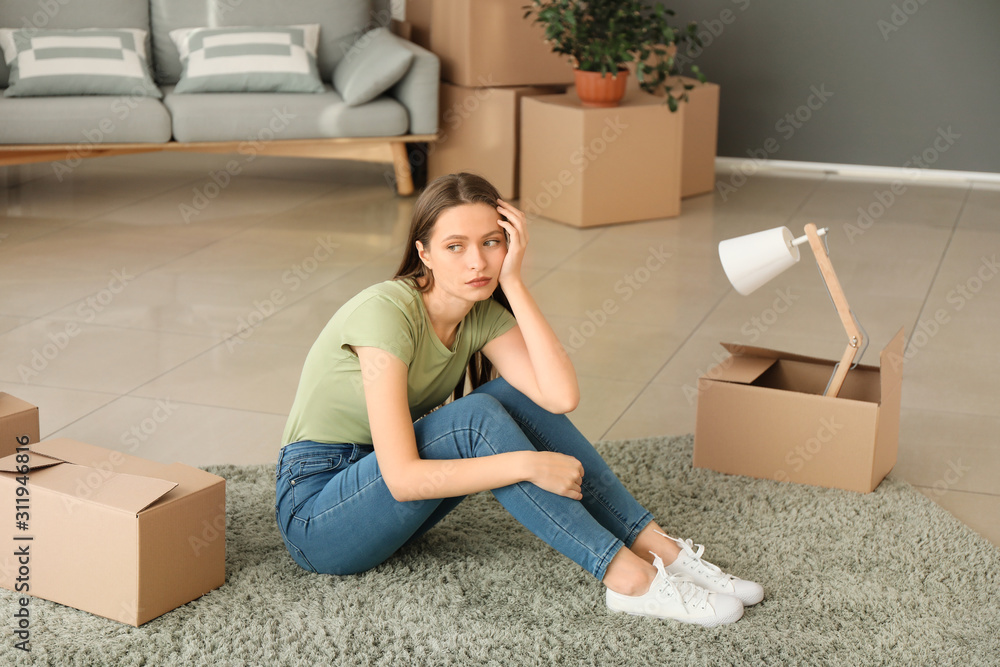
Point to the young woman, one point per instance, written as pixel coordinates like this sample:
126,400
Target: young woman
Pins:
373,457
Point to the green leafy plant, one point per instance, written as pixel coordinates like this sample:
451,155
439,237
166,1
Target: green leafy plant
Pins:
604,35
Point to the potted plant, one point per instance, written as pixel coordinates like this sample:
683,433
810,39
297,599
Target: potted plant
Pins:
603,36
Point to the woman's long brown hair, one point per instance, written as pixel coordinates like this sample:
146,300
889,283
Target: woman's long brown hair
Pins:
442,194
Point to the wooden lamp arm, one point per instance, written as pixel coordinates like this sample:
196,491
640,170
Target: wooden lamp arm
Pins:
854,336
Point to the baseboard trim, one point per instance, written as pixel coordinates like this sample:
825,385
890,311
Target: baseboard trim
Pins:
749,166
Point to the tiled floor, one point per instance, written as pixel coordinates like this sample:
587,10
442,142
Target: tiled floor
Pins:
145,308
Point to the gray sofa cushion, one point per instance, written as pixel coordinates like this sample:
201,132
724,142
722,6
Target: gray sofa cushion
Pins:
373,65
85,121
249,117
340,24
67,14
418,90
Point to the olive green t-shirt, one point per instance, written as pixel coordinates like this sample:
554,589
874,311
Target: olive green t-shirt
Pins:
330,403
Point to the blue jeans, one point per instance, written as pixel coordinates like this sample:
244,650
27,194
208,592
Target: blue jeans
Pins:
336,514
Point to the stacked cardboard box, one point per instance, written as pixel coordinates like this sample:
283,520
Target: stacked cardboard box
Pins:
480,133
701,130
486,40
18,424
599,166
491,57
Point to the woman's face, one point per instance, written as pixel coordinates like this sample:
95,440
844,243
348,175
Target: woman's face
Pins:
466,250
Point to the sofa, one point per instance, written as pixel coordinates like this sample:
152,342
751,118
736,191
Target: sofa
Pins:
354,57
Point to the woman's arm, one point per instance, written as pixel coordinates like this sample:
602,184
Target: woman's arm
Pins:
410,477
530,356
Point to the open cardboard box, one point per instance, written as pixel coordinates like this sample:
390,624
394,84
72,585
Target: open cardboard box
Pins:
113,534
762,413
18,423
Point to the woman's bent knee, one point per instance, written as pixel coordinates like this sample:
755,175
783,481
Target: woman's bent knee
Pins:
480,403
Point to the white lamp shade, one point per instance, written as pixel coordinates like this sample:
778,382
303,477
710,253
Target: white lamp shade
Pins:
752,260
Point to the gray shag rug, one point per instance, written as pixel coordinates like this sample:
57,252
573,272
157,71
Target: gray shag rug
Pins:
887,578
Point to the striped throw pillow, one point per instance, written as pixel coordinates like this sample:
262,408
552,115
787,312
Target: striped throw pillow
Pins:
248,59
91,61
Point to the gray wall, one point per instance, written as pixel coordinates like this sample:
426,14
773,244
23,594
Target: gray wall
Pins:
901,74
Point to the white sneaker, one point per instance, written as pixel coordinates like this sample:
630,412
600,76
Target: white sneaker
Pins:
690,563
677,597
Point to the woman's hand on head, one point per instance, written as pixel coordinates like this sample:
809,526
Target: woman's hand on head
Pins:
557,473
517,233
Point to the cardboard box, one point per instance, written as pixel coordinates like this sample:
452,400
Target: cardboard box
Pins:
401,29
701,139
418,16
762,413
480,133
489,43
701,132
18,420
113,534
595,166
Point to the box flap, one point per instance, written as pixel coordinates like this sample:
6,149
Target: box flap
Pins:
74,451
189,481
890,400
738,350
182,479
194,479
35,462
121,491
740,369
891,362
82,453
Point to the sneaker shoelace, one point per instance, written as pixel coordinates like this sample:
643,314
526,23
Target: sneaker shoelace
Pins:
694,557
689,593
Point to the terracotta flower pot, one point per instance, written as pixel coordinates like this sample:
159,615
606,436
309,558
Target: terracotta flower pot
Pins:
597,90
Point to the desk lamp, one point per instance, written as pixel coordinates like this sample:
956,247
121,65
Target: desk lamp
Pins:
751,261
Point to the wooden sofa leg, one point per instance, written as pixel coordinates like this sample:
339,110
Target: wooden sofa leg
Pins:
401,163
